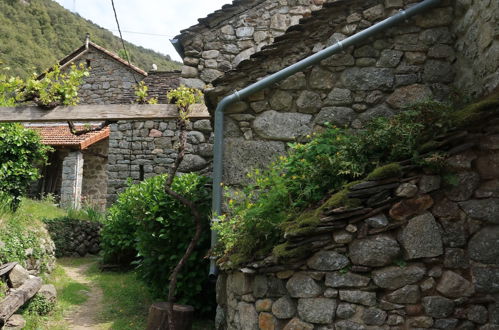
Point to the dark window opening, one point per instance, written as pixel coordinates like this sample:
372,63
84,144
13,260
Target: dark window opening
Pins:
141,172
88,63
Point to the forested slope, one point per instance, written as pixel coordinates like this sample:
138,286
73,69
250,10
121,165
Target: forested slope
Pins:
35,34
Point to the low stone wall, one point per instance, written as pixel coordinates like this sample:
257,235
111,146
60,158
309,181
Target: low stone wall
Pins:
420,252
94,186
141,149
74,238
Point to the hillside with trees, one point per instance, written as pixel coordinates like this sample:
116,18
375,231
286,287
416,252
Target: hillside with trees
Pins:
35,34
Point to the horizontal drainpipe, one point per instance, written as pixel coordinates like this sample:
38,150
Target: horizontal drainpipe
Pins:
276,77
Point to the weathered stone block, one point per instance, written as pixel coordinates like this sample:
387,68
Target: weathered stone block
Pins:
338,280
303,286
437,306
453,285
421,238
358,297
374,316
482,209
267,321
484,245
327,260
297,324
309,102
374,251
317,310
396,277
284,308
367,78
248,317
285,126
408,294
407,95
339,96
341,116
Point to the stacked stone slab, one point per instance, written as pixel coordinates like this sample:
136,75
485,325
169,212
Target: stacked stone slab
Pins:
141,149
418,253
73,237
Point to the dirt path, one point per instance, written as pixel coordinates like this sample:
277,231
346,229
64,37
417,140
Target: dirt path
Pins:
84,317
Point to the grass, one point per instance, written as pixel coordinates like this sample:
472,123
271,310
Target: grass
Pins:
29,213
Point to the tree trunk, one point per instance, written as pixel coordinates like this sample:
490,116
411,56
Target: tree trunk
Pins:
158,316
18,297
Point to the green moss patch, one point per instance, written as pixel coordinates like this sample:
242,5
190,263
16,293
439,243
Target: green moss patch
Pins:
392,170
284,251
475,111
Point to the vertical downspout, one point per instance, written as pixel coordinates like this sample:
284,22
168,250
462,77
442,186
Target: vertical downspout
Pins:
276,77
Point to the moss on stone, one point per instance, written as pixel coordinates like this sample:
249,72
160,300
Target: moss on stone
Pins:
475,111
392,170
285,252
303,224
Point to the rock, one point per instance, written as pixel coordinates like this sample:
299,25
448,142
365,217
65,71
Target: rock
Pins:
267,321
339,96
297,324
427,284
209,75
454,233
377,221
203,125
358,297
245,31
48,292
254,154
429,183
281,100
15,322
192,163
263,305
321,79
477,314
296,81
437,306
284,308
406,190
486,278
461,161
444,208
317,310
337,280
435,17
436,71
260,286
456,258
378,111
418,322
484,245
487,189
394,319
394,277
244,55
468,182
239,283
408,294
309,102
453,285
374,316
340,116
446,323
488,166
302,286
17,276
248,317
389,58
374,251
367,78
276,287
408,95
374,13
342,237
327,260
482,209
421,238
345,311
348,325
286,126
407,208
330,293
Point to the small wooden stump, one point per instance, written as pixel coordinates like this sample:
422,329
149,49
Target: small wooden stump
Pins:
158,316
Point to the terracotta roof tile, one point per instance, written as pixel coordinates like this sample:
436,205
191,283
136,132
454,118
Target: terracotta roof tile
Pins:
60,136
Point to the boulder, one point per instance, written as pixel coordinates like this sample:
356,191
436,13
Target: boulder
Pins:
327,260
317,310
284,308
297,324
338,280
301,285
284,126
453,285
394,277
358,297
408,294
17,276
48,292
437,306
482,209
374,251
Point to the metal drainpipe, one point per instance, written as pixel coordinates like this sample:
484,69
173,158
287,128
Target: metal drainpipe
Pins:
276,77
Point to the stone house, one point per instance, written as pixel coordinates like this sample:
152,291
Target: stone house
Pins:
93,173
451,48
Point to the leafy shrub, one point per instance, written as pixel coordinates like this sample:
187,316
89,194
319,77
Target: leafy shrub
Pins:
315,169
20,152
148,225
38,305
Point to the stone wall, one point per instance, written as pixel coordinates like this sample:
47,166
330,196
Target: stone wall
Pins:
94,189
109,82
227,37
477,46
141,149
419,253
403,65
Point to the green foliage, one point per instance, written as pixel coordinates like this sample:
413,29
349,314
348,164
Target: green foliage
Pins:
392,170
38,305
148,225
20,152
271,203
142,97
183,97
35,34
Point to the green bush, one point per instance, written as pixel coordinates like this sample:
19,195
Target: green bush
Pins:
38,305
20,152
312,170
148,225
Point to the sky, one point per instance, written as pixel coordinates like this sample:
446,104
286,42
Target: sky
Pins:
163,17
